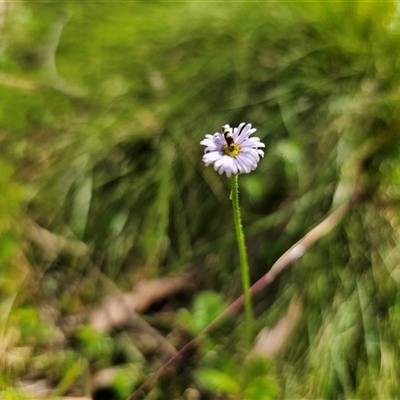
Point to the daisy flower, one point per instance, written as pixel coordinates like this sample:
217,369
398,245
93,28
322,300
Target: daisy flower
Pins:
233,151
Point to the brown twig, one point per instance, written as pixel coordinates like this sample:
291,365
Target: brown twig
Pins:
117,309
294,253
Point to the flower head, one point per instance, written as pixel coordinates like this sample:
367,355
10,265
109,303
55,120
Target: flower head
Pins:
233,151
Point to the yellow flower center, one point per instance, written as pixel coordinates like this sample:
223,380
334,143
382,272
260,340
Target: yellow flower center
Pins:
231,150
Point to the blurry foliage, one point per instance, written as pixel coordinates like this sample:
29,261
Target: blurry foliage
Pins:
103,105
93,345
206,307
245,381
30,326
125,381
14,394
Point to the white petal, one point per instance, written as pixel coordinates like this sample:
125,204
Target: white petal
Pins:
237,132
252,142
251,155
219,162
230,167
242,166
211,157
234,166
207,142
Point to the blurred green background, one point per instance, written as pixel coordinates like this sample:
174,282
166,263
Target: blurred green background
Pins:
102,108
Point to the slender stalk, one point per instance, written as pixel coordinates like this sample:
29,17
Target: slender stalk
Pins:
244,265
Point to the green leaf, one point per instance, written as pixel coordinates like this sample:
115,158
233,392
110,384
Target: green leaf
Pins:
255,367
218,381
261,389
207,306
94,345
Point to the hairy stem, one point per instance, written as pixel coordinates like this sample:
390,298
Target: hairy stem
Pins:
244,265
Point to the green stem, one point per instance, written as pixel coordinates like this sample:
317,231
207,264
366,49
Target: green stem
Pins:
244,265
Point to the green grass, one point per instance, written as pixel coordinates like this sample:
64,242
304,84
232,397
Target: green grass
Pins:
106,154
